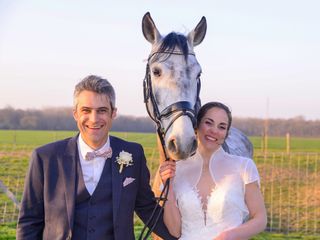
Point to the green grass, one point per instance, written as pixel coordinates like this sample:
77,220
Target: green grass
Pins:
280,144
283,236
37,138
8,231
29,137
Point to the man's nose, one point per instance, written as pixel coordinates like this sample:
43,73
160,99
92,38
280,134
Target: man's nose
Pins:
93,116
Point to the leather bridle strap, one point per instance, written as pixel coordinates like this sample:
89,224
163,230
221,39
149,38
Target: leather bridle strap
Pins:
182,108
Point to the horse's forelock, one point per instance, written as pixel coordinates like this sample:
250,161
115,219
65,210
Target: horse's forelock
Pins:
172,41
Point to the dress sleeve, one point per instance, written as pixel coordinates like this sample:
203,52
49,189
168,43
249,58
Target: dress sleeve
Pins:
251,173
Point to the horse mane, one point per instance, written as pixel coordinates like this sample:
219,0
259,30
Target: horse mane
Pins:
172,41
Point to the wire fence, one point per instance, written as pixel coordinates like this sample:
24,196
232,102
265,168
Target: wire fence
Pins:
290,183
291,188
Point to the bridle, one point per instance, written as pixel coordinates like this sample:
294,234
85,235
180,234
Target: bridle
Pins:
174,111
177,109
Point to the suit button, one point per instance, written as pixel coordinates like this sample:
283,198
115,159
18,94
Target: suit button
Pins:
91,230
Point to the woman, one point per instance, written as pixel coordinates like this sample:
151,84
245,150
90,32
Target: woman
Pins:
213,195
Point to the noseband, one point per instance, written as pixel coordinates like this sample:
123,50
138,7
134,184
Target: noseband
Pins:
177,109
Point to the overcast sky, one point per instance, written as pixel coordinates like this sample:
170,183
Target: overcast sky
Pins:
261,58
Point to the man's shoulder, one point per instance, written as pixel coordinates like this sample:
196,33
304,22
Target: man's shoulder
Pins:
56,146
124,145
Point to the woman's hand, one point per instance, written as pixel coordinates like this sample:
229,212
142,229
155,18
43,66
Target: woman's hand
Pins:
167,170
171,216
226,235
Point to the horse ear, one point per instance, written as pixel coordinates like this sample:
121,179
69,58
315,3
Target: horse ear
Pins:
149,29
196,36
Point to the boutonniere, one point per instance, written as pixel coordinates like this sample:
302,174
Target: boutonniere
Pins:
124,158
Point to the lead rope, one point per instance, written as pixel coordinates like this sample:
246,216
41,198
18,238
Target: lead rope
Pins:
161,199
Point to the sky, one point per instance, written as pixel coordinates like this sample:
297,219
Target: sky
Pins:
261,58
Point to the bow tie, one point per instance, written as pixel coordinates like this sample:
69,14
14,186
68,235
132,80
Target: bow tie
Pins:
105,154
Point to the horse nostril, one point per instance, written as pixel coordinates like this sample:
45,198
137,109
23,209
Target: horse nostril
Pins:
172,146
194,146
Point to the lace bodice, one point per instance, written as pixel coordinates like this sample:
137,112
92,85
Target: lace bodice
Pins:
226,206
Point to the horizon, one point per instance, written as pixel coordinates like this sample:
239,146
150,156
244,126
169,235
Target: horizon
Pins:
134,116
259,58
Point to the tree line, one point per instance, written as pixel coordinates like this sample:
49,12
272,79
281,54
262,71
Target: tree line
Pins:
62,119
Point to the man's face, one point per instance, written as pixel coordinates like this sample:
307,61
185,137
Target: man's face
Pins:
94,117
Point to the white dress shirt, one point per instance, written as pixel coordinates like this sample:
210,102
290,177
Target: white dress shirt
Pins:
91,170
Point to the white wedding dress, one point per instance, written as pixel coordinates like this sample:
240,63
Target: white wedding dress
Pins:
226,206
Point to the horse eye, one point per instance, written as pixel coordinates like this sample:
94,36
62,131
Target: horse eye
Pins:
156,72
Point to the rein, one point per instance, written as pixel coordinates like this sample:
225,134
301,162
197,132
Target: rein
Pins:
177,109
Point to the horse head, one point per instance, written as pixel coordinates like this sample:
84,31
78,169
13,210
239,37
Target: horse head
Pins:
172,86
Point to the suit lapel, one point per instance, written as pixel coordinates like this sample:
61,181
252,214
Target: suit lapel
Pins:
117,179
67,166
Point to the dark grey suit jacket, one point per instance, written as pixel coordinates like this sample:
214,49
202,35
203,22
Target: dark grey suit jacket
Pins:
48,203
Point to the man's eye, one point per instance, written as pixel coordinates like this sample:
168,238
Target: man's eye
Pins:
103,111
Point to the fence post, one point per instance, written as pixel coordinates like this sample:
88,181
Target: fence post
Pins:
265,145
15,137
4,212
288,143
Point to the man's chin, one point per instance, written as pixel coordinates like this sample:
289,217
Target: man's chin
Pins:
98,142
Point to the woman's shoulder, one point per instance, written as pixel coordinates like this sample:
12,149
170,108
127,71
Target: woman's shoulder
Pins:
239,159
188,163
188,171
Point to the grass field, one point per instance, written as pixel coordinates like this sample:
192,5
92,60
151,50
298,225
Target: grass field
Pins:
290,183
37,138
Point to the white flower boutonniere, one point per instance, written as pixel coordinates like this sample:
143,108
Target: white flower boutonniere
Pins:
124,158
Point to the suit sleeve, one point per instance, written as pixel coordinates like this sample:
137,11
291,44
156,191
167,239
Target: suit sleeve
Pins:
31,217
145,202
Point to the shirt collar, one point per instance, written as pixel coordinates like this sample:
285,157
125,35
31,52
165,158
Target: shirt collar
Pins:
84,148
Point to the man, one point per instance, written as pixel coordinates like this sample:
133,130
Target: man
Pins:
88,186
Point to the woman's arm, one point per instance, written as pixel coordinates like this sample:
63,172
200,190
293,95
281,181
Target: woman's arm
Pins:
171,217
257,214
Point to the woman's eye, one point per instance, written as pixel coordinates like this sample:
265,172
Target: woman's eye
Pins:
208,123
156,72
223,127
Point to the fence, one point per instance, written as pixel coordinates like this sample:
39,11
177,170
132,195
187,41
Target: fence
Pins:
290,184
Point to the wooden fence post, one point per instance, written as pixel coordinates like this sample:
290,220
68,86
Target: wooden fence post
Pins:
288,143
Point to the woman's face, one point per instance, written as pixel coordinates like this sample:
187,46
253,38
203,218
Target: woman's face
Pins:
212,129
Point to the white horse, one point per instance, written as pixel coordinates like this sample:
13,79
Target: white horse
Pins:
172,85
171,90
171,93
